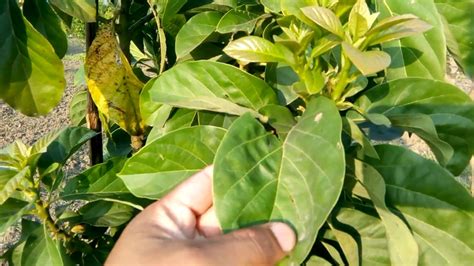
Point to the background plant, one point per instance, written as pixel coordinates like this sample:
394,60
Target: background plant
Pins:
283,97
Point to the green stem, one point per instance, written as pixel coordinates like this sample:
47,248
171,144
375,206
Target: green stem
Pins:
161,40
341,80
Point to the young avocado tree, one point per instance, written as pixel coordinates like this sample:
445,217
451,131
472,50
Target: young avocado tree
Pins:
293,101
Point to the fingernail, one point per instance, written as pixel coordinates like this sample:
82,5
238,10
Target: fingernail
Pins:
285,236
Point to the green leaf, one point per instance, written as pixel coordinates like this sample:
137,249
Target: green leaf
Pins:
10,181
81,9
165,162
458,131
44,19
212,86
166,9
257,49
459,31
105,214
282,78
31,79
41,249
237,20
369,232
423,55
412,97
369,62
280,118
11,212
353,131
430,199
325,18
215,119
182,118
423,126
148,109
273,5
293,7
360,19
297,181
196,31
68,142
78,108
98,182
401,244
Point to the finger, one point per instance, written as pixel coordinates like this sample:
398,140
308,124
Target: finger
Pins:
194,193
259,245
208,224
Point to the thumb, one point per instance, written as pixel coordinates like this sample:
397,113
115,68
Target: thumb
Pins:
263,245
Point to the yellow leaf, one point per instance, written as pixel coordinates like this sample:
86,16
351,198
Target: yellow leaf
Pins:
113,86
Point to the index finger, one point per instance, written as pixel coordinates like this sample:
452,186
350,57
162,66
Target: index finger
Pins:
194,193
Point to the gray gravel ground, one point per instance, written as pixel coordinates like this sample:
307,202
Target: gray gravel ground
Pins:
16,126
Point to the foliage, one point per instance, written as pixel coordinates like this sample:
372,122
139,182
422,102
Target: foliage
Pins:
285,98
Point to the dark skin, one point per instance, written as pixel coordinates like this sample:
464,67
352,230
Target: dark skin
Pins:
182,229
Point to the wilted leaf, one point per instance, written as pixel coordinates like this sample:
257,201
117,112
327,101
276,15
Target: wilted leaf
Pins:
196,31
42,17
297,181
81,9
165,162
116,94
31,76
212,86
369,62
325,18
237,20
257,49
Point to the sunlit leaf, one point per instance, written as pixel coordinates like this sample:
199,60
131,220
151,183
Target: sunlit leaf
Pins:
31,76
117,93
281,181
423,55
81,9
237,20
325,18
257,49
212,86
42,17
11,212
369,62
165,162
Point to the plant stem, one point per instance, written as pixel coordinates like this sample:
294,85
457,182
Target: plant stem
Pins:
93,120
341,80
161,39
125,38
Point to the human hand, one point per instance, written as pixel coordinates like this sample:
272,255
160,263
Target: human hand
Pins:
182,228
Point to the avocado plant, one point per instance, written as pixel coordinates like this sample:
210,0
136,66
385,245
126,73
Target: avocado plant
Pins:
296,103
